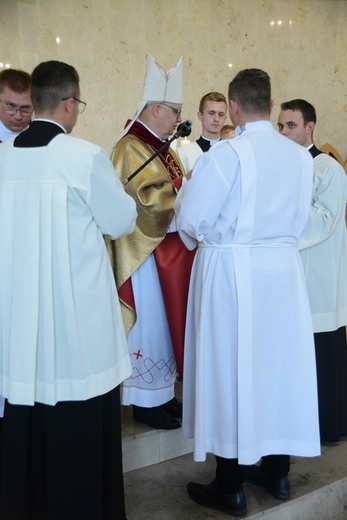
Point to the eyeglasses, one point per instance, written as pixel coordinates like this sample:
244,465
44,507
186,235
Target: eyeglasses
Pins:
11,109
82,105
176,110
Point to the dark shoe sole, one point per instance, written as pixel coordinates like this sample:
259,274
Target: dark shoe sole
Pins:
156,418
173,408
213,503
278,496
260,478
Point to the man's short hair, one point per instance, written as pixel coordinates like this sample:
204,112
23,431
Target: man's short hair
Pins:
251,90
307,110
211,96
16,80
51,81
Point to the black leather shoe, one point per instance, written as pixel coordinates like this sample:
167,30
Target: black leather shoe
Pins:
211,496
277,487
173,408
280,488
155,417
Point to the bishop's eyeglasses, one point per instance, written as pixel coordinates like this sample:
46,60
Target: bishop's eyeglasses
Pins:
176,110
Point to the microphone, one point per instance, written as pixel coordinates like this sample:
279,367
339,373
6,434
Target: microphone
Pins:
184,129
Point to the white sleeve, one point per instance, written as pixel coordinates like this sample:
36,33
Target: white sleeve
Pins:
113,210
328,202
201,199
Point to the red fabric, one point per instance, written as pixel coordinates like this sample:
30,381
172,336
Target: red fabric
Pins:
174,263
126,294
178,183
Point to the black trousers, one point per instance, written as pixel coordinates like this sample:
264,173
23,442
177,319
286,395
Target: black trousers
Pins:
230,475
331,362
62,462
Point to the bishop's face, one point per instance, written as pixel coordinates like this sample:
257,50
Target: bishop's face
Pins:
169,118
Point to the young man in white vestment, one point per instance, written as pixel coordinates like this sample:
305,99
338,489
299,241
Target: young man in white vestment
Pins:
323,250
249,389
16,110
212,115
63,348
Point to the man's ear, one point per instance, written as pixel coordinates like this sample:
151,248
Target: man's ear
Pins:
199,114
155,110
234,107
69,104
272,104
310,126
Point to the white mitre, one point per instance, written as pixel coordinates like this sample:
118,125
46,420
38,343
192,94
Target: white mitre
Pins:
160,85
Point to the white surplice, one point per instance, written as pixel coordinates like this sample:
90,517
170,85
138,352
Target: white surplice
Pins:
323,246
249,384
189,154
62,335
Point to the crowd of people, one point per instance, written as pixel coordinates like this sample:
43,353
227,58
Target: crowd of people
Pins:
222,264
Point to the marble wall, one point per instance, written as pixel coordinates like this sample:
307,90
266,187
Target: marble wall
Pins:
300,43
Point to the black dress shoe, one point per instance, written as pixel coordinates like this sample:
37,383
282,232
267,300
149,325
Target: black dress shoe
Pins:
277,487
155,417
280,488
173,408
211,496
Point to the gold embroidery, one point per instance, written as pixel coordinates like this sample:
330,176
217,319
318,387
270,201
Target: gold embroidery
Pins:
172,167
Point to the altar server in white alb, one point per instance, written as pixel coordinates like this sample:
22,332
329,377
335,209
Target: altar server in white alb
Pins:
63,350
323,250
212,115
15,114
249,368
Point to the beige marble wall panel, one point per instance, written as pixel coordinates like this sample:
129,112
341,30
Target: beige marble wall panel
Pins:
28,30
339,102
307,67
300,43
